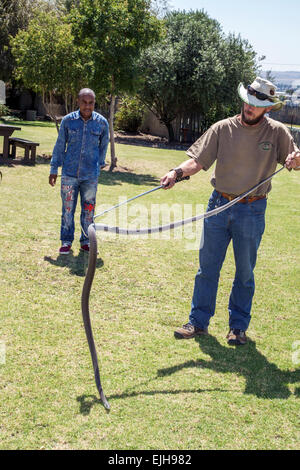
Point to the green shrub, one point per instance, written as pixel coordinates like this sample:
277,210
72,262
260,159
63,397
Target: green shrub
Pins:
4,110
130,115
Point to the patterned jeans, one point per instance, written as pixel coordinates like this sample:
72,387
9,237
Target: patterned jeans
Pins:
70,188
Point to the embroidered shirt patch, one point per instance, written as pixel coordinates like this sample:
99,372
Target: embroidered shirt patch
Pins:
266,145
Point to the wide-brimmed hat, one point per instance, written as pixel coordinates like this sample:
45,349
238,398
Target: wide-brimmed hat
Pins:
261,94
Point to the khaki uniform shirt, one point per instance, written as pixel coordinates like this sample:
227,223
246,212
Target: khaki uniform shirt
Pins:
244,155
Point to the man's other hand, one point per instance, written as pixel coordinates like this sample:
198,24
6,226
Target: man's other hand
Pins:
293,161
52,180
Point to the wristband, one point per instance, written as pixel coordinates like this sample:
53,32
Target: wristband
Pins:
179,173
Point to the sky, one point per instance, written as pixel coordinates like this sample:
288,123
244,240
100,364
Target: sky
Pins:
272,27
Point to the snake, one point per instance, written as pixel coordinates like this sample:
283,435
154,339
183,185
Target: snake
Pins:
123,231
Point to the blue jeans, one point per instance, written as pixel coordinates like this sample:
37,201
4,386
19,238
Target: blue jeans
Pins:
70,188
244,224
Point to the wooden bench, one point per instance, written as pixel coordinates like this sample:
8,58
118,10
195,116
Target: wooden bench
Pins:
30,148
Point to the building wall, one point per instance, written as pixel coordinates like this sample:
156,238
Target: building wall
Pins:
151,125
186,128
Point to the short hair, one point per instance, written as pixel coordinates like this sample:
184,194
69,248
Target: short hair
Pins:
86,91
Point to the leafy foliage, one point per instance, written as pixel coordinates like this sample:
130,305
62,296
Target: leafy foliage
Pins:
46,64
194,69
114,32
130,115
47,59
14,15
239,64
4,110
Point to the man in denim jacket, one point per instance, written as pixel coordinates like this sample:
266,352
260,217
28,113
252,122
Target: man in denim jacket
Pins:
80,149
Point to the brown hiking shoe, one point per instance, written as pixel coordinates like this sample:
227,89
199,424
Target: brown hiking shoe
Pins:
236,337
189,331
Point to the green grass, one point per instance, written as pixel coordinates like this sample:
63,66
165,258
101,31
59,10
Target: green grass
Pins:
164,394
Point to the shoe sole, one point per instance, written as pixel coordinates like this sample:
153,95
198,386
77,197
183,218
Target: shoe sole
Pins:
64,253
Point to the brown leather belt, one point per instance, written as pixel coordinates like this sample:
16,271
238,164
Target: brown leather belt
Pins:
245,200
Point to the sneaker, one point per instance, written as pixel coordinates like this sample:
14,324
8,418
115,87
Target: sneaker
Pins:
65,249
236,337
189,331
85,248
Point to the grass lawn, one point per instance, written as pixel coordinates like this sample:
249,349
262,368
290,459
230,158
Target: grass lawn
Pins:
164,394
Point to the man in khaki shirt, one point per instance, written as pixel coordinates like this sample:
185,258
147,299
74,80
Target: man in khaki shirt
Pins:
246,149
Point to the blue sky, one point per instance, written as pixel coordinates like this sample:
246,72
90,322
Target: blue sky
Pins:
272,27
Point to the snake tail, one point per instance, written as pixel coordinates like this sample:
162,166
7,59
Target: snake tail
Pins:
86,313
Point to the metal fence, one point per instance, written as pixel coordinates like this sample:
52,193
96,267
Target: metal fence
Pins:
296,135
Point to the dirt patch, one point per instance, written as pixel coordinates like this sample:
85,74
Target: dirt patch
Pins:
120,169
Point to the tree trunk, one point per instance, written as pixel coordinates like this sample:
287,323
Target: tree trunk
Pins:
170,131
53,116
66,103
113,158
48,107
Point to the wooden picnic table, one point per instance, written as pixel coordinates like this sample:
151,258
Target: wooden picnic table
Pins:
6,131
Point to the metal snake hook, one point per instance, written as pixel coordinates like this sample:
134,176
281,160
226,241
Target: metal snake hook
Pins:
86,313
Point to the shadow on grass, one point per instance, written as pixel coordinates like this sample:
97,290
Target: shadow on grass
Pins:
111,178
263,379
13,162
87,402
76,264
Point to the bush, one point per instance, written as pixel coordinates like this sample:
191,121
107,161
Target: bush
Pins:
130,115
4,110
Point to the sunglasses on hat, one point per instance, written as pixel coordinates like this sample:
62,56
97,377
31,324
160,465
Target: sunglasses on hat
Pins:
260,96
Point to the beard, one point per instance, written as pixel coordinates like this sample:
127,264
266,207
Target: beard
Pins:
254,121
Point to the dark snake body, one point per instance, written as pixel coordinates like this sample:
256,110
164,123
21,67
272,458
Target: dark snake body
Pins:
85,310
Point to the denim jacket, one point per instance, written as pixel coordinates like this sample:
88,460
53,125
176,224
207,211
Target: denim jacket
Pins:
81,146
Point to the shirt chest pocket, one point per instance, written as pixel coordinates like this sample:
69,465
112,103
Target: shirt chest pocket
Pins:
95,137
73,135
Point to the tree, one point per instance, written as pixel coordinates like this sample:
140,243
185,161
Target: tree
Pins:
14,15
114,32
192,69
185,69
130,114
239,63
48,61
